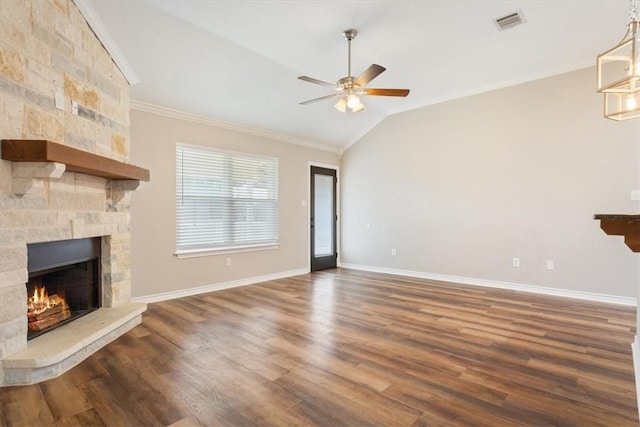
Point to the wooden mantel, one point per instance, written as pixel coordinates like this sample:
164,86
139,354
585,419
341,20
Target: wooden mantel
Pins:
627,225
26,150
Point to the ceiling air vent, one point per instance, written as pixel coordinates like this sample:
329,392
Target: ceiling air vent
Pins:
510,21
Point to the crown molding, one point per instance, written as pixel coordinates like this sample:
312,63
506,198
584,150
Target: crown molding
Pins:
101,32
204,120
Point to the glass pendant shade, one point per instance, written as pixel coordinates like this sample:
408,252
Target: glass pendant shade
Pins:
353,101
619,67
343,104
622,106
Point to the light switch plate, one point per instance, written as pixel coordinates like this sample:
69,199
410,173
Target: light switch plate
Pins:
59,99
635,195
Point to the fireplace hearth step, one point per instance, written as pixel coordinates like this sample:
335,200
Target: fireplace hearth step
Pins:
56,352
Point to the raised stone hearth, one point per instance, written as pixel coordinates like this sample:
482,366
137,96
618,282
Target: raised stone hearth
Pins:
60,350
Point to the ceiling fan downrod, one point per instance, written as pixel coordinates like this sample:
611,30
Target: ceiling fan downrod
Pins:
349,35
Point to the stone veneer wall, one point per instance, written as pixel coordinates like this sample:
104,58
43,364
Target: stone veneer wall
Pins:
46,46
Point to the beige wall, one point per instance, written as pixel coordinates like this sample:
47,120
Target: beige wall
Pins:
462,187
155,269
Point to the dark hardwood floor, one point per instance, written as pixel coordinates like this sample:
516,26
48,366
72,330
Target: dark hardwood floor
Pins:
351,348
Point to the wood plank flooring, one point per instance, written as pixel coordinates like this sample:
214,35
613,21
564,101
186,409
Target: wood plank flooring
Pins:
348,348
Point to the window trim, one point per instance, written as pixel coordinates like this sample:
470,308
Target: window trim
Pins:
197,253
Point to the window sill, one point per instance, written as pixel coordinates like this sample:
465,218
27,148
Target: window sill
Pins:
196,253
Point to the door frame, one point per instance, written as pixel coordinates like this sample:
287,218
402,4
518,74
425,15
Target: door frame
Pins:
308,202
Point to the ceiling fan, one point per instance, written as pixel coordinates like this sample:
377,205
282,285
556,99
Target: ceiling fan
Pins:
351,87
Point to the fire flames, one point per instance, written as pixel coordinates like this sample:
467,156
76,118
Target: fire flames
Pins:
45,310
41,301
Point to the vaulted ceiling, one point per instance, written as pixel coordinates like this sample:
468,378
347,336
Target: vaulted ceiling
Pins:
238,61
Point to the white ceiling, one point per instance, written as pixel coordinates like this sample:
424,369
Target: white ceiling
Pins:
238,61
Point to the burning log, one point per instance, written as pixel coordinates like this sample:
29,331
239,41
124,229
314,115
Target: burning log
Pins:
52,310
44,310
39,325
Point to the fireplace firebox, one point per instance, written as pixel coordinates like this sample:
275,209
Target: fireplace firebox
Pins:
64,283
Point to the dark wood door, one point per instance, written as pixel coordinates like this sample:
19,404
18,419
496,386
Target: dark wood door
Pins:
323,219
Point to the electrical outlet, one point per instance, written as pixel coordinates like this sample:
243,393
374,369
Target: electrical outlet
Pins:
74,108
516,262
394,252
228,261
550,264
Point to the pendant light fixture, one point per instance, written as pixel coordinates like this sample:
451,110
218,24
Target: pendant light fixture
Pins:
619,72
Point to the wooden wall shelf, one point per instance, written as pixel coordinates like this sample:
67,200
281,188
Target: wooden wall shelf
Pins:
627,225
25,150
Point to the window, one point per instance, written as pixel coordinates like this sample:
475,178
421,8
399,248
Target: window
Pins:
224,200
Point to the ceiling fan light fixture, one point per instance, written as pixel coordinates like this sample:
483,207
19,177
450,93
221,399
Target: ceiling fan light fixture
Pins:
353,101
357,108
341,105
350,87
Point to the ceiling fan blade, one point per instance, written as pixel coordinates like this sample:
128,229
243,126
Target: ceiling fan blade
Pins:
318,82
322,98
369,74
385,92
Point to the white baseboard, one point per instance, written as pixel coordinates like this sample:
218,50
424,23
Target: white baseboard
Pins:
635,349
611,299
218,286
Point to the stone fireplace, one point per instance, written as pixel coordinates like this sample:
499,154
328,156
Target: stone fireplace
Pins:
50,58
41,234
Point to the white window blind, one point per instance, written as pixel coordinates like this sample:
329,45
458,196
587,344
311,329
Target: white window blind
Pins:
224,200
